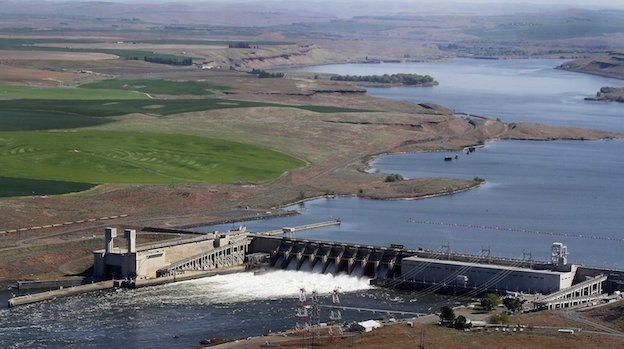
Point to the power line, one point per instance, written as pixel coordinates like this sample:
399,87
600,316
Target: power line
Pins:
587,236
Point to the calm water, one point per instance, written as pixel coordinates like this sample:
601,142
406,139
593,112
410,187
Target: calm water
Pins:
512,90
535,191
547,187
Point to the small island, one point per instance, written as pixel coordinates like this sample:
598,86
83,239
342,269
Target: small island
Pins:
389,80
610,94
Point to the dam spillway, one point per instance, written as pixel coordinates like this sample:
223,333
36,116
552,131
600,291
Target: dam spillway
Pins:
438,271
329,257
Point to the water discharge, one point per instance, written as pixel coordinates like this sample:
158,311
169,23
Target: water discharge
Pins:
243,287
235,305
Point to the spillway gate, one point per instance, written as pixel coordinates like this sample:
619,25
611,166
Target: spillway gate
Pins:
330,257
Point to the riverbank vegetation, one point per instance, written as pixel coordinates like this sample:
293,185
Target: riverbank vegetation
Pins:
263,74
609,94
397,79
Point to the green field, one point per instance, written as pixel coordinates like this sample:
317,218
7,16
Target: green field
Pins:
133,157
66,93
157,86
35,114
25,120
47,114
32,45
25,187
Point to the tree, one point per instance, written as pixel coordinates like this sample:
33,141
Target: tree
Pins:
447,314
512,304
490,301
461,323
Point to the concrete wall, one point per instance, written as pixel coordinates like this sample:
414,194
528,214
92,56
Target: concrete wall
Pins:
615,280
567,278
177,253
148,262
145,262
524,280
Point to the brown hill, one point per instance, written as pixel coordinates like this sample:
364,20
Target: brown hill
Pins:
609,65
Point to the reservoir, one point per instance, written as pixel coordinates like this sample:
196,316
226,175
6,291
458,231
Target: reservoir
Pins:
522,90
535,193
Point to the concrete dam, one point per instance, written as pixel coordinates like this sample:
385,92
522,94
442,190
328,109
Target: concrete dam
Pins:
445,271
200,254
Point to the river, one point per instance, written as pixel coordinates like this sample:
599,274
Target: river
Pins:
520,90
536,193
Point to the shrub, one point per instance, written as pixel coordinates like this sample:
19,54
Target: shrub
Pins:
490,301
501,318
394,177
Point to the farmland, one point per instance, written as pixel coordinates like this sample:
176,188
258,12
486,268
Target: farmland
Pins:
160,87
46,114
23,186
36,45
132,157
66,93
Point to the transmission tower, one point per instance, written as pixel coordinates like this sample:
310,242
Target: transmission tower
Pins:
315,318
447,247
303,320
486,252
335,315
526,255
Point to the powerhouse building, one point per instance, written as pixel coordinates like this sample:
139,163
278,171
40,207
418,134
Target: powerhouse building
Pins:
543,278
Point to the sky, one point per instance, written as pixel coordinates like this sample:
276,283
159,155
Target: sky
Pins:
584,3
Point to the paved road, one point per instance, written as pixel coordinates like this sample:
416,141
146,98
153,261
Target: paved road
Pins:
575,316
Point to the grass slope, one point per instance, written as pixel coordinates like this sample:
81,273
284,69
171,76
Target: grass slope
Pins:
158,86
24,187
132,157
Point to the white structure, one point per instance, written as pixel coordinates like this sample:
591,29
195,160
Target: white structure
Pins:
366,326
429,271
559,254
204,252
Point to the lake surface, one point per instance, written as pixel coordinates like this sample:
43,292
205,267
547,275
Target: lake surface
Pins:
512,90
536,193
